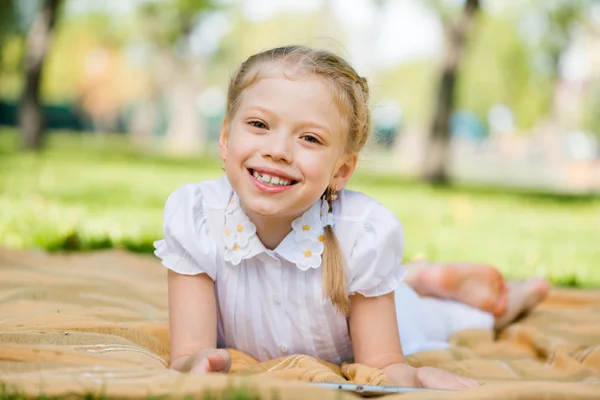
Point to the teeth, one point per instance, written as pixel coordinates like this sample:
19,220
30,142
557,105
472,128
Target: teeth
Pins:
271,180
266,178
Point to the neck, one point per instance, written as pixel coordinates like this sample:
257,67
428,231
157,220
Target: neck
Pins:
271,230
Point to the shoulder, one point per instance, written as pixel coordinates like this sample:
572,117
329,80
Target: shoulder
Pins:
210,194
196,207
191,211
358,215
372,240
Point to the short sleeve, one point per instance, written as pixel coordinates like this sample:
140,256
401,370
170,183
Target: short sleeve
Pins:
187,247
375,263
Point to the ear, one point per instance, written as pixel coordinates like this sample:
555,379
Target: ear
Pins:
223,141
345,169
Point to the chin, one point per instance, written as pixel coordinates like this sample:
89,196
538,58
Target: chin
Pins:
262,209
270,211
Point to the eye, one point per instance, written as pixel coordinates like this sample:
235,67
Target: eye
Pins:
311,139
257,124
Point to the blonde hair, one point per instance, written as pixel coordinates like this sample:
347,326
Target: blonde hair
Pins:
352,94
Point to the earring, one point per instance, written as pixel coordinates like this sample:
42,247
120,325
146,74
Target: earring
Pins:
330,194
223,167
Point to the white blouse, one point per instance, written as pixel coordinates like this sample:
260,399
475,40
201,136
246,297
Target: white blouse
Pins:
270,302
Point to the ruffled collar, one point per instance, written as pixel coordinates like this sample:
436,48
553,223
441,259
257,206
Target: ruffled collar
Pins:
303,246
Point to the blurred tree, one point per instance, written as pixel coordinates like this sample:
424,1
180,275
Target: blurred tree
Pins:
38,42
247,37
7,19
178,68
548,26
437,148
10,45
497,69
410,85
591,116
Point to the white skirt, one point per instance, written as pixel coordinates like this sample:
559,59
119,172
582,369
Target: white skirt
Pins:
427,323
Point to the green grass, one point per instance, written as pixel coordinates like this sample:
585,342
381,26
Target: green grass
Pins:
92,192
240,392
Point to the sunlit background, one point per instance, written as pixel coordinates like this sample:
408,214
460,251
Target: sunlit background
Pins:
485,142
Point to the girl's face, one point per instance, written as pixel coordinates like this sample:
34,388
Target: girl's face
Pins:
285,145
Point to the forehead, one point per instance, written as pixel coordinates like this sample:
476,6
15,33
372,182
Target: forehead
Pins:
277,80
292,92
284,82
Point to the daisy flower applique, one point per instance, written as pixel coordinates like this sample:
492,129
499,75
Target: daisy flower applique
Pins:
236,235
236,253
307,253
307,227
326,216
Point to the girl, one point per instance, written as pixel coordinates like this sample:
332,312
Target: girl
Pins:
277,258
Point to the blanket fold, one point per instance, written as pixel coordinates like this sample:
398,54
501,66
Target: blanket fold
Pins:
98,322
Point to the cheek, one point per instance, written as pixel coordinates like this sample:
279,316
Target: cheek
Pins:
239,144
319,166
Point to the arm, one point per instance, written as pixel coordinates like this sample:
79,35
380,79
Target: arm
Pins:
376,342
193,324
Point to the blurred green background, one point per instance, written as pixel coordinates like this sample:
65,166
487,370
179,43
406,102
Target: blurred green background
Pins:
486,146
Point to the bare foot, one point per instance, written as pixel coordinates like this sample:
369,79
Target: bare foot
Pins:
522,297
479,286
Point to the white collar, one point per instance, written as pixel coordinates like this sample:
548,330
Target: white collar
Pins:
303,246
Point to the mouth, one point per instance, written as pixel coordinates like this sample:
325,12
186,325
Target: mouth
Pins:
272,178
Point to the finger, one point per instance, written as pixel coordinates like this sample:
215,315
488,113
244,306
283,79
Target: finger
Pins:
468,382
433,378
202,367
220,361
449,383
227,358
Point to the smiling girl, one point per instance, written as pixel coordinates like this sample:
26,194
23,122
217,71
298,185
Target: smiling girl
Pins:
277,258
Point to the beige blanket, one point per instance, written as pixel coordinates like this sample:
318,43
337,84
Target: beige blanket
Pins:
71,325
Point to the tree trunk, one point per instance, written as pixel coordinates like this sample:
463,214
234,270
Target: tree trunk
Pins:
179,82
437,149
31,118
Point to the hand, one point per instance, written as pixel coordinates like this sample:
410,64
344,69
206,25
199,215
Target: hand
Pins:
205,361
434,378
427,377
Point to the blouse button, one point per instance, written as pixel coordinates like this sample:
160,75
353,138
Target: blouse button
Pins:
284,348
276,299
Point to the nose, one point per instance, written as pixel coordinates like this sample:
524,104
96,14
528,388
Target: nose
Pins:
278,146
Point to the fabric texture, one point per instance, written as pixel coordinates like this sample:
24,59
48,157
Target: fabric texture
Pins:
271,302
97,323
187,247
428,323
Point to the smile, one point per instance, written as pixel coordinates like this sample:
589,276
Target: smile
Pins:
271,182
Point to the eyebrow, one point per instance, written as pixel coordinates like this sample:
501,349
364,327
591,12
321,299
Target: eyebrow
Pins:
315,125
262,109
304,123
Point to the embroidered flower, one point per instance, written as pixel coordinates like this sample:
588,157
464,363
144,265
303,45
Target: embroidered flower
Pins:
237,232
303,246
228,236
307,227
307,254
324,208
327,219
238,229
236,253
326,216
